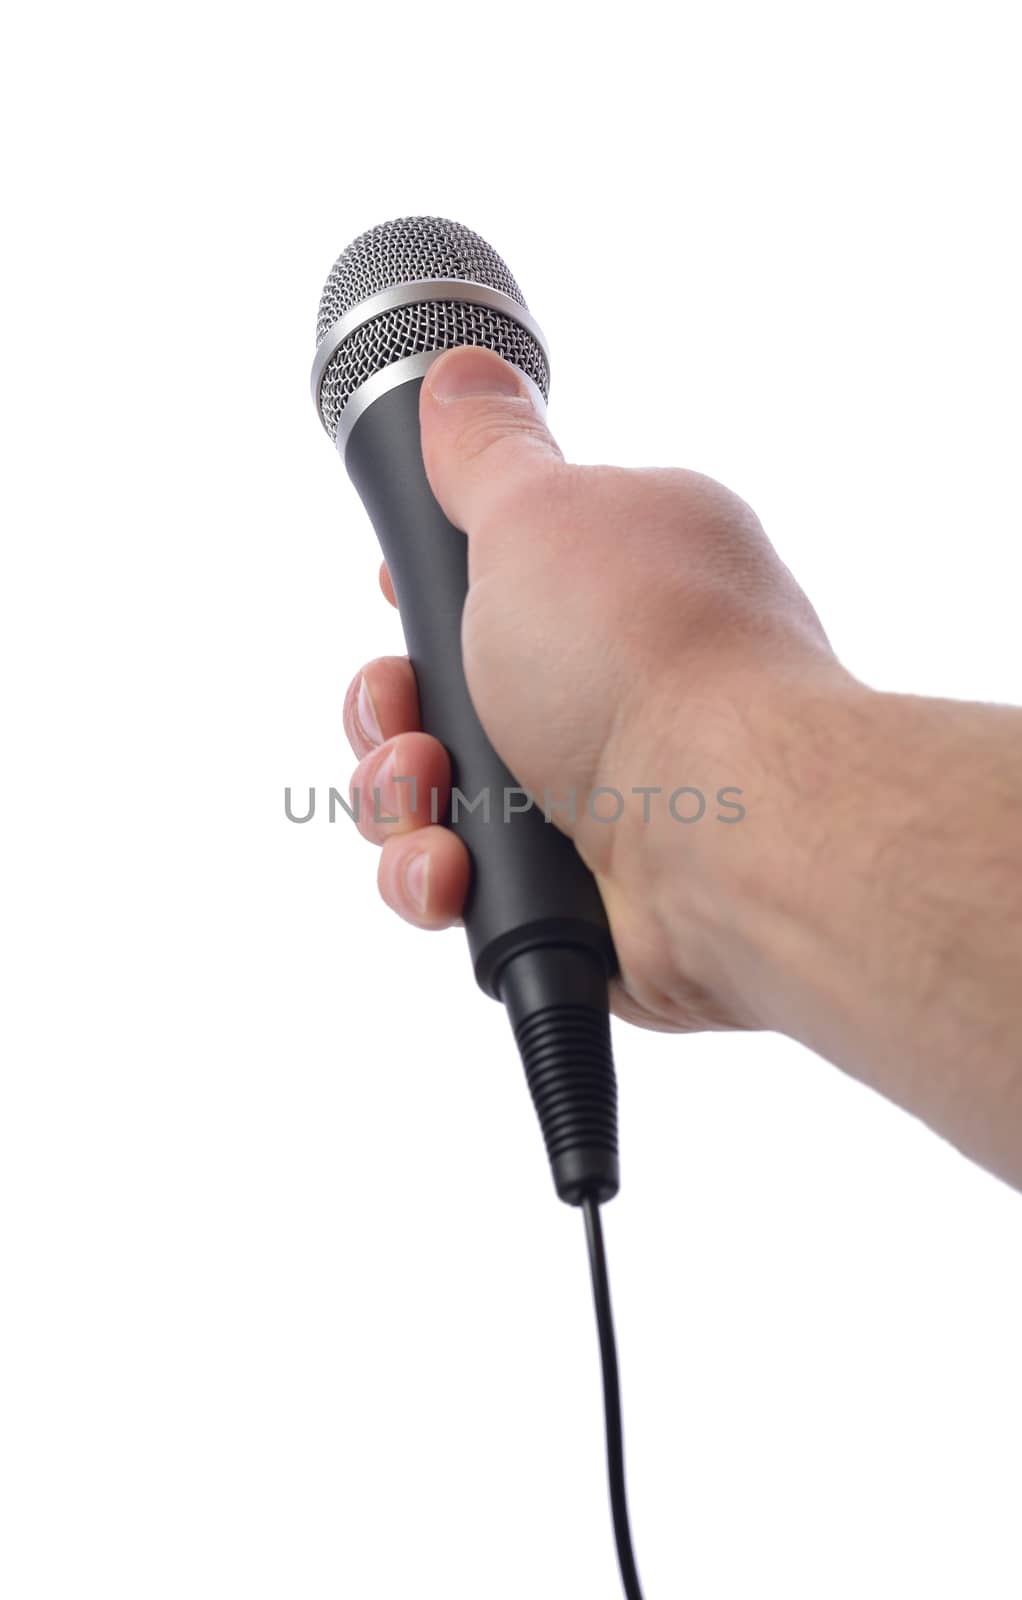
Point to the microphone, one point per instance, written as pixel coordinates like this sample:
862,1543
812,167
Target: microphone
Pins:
537,931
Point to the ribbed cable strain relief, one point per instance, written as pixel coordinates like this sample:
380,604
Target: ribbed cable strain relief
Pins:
556,998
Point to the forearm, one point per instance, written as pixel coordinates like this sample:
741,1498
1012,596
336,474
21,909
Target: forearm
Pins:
870,902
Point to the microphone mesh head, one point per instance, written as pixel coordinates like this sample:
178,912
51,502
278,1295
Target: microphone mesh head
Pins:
405,251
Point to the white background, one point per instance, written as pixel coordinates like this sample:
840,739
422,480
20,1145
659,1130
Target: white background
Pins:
288,1304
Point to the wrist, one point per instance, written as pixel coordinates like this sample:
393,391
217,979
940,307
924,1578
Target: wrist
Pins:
715,857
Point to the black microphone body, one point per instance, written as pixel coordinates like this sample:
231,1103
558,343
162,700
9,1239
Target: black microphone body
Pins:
529,884
536,925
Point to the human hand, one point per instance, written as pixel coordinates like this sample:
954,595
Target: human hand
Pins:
624,629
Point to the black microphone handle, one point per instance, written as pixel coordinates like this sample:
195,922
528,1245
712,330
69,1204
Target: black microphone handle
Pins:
536,925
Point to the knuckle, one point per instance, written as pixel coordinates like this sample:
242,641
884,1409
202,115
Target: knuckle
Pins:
492,430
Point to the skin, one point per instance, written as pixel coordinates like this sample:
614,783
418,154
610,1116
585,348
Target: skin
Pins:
869,902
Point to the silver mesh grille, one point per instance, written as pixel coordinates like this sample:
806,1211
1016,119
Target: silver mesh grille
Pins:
402,251
405,251
410,330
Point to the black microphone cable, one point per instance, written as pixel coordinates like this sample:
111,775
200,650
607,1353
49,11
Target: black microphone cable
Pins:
611,1399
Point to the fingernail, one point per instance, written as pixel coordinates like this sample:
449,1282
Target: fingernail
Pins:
417,881
472,371
368,721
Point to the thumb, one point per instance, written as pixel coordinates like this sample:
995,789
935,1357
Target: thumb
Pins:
485,441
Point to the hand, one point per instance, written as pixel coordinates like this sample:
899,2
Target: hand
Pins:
634,630
623,629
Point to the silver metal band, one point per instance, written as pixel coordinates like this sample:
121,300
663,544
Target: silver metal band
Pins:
407,294
399,372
